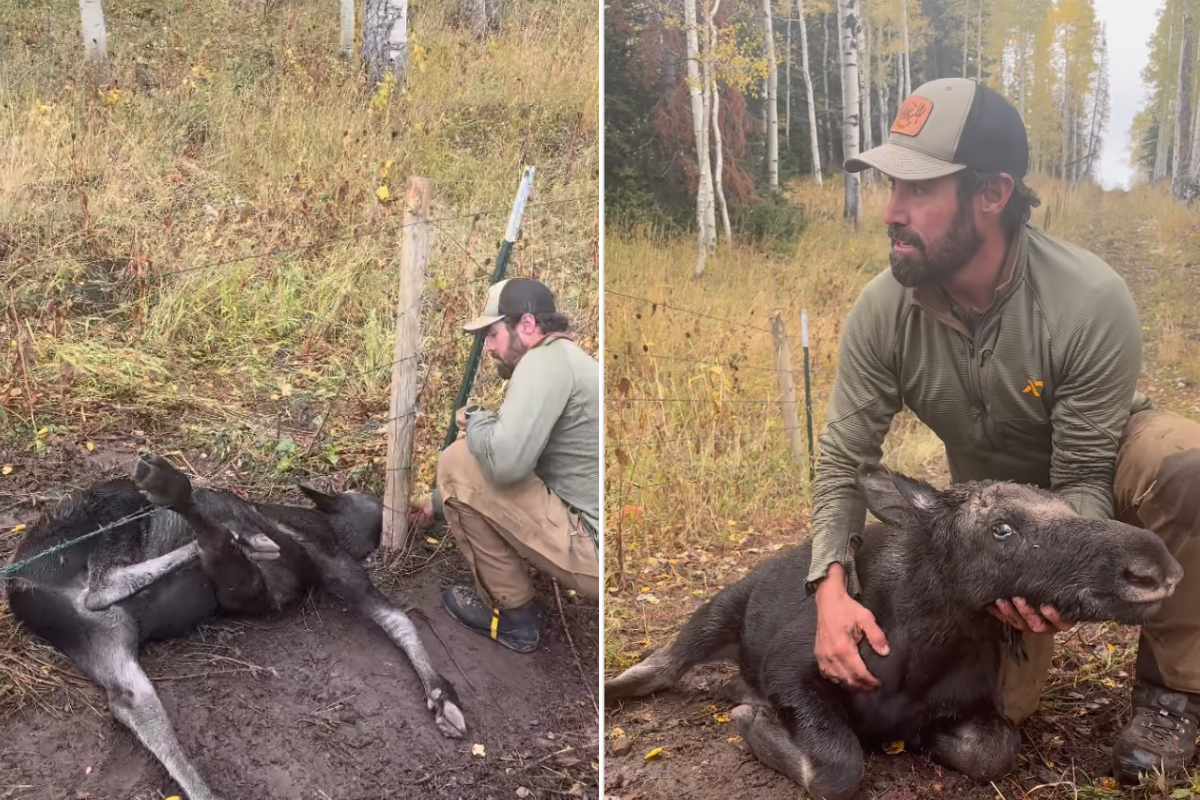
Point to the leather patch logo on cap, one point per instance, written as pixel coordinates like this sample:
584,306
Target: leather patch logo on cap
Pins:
912,116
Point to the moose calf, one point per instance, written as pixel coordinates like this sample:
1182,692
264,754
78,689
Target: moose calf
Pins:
180,556
928,575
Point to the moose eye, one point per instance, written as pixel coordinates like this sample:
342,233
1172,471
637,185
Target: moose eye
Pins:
1002,530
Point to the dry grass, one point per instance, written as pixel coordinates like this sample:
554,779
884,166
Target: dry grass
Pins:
699,481
201,240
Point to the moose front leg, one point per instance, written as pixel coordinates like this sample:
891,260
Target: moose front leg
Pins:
108,587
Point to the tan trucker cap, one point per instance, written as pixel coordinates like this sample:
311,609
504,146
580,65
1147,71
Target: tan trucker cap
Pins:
946,125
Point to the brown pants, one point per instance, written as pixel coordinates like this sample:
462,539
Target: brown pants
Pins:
497,527
1156,486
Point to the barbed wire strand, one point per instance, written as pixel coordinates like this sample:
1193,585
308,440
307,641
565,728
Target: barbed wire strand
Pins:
661,304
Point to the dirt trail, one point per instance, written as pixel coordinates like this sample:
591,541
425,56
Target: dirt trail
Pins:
1065,747
321,705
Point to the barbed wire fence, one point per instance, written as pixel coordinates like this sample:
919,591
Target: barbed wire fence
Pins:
345,377
687,428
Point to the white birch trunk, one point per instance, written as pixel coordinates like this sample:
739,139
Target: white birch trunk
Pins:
906,89
385,38
808,90
979,45
966,35
884,107
1164,116
347,29
772,111
714,96
864,84
848,39
787,120
93,30
705,217
1181,167
826,68
1195,160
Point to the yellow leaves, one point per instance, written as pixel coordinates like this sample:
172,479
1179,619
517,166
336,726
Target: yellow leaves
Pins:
1109,785
383,92
386,169
721,718
478,750
655,753
115,97
892,748
6,469
90,445
418,56
19,528
383,194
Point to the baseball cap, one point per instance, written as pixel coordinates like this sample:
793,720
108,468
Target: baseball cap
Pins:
946,125
513,296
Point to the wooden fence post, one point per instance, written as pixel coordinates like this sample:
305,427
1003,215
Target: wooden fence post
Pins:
414,254
787,387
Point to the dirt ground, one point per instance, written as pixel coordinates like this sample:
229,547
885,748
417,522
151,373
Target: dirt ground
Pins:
703,758
315,704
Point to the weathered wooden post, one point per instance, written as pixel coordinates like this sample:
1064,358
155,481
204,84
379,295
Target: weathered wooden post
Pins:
414,254
787,387
812,465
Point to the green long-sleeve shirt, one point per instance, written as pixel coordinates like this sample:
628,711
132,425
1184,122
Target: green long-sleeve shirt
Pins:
548,425
1039,394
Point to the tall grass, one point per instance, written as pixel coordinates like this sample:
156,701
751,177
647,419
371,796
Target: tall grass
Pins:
210,225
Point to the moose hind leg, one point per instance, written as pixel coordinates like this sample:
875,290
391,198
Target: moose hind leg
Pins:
237,581
821,754
983,747
114,666
349,580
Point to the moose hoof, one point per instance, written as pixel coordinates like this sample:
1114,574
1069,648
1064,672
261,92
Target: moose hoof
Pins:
163,484
447,715
259,547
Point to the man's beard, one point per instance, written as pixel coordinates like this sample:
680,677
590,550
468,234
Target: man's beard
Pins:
506,363
937,263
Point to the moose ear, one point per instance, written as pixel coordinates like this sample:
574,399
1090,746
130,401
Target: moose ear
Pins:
895,498
326,503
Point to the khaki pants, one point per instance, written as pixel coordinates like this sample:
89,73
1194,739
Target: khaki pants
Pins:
499,528
1156,486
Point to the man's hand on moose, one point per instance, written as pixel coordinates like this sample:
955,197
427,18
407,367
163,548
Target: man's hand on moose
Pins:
841,624
1024,617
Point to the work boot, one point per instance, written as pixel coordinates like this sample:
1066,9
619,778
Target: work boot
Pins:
515,628
1161,736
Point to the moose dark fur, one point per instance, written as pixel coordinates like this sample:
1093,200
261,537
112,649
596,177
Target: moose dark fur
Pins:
189,555
928,579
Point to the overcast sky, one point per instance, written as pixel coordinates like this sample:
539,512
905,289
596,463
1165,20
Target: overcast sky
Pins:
1129,27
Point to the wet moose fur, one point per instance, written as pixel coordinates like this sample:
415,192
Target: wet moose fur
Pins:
187,556
927,579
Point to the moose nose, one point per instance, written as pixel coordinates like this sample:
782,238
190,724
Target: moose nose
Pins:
1147,580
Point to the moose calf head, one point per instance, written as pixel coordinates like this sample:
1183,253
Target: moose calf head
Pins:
1014,540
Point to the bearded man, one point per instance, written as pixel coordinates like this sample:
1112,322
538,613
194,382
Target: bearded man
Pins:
1022,353
523,485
